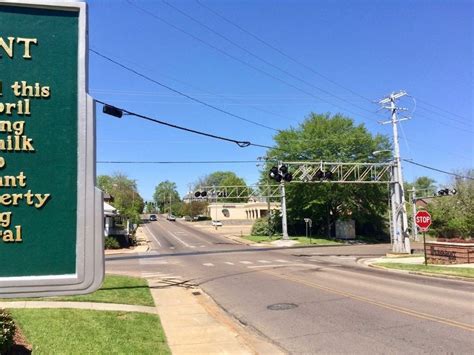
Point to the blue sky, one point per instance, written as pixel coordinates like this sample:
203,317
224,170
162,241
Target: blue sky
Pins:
369,47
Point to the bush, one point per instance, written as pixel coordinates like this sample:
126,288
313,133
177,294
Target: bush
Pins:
260,227
111,243
7,331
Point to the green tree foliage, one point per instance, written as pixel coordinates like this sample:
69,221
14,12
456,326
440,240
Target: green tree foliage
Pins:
332,139
453,216
165,192
125,194
222,178
423,185
194,208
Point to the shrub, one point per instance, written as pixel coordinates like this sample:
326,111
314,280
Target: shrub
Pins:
111,243
7,331
260,227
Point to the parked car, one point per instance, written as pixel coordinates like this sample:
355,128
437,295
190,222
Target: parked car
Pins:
216,223
153,217
170,217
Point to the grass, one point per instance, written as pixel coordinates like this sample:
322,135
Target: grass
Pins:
301,240
432,269
61,331
115,289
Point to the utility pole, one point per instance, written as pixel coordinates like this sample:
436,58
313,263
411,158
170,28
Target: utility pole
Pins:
413,225
401,241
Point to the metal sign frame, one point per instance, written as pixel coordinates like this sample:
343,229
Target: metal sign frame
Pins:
89,271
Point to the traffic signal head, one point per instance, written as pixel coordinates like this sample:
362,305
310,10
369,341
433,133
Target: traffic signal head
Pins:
454,192
328,175
197,194
283,169
288,177
112,111
319,175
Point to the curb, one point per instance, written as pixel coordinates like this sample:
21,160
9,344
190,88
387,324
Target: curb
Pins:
93,306
420,273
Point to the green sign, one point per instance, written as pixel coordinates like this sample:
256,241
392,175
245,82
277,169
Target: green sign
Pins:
47,158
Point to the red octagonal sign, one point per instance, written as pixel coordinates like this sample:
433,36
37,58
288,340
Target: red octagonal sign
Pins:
423,220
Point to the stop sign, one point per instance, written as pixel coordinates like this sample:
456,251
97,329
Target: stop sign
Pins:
423,220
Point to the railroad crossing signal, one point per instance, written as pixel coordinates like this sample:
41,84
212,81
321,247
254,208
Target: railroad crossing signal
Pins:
423,220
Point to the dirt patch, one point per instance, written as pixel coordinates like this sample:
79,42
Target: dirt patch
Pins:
21,345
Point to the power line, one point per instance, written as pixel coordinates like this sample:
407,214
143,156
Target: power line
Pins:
441,109
179,92
180,162
438,170
241,144
444,116
238,59
282,52
259,57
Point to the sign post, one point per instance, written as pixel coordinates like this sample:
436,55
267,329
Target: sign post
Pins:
423,221
51,219
309,223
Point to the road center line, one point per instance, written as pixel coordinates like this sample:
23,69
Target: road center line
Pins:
395,308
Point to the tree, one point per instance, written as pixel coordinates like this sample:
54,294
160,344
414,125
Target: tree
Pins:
453,216
165,192
332,139
127,200
423,185
221,178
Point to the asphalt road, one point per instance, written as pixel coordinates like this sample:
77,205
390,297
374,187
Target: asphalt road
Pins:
313,300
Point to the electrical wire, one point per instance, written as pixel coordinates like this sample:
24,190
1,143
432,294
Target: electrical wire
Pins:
441,109
240,60
241,144
181,162
286,55
438,170
179,92
260,58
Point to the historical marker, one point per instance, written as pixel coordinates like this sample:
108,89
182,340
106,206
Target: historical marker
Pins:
51,234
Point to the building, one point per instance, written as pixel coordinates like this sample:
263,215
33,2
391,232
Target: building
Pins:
241,211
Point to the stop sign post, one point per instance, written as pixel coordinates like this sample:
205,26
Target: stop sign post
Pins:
423,221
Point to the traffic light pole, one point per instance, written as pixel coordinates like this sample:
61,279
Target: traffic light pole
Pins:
284,225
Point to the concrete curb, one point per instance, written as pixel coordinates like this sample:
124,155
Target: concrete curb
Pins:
420,273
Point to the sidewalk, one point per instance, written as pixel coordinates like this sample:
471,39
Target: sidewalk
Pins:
141,247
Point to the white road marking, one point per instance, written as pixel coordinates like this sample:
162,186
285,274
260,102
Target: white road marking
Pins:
202,246
229,263
179,239
171,247
208,264
279,265
263,261
153,236
245,262
281,261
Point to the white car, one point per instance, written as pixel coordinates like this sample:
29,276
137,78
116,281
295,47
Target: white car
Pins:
170,217
217,223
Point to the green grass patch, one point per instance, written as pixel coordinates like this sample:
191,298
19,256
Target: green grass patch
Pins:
301,240
71,331
115,289
432,269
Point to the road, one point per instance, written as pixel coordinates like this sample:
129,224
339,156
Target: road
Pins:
313,300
